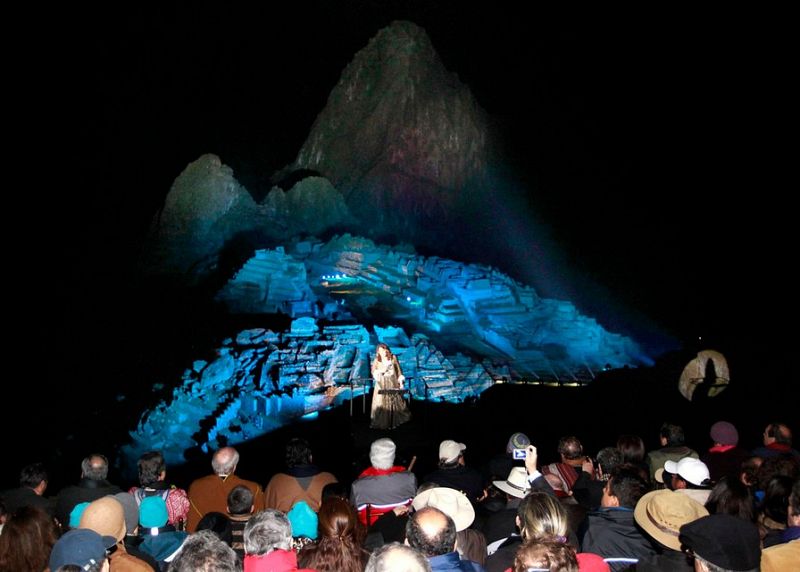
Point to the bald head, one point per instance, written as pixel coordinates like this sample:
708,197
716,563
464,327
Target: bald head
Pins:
431,532
224,461
95,467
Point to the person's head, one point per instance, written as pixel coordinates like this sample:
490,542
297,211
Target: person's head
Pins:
240,500
624,488
453,503
106,517
303,520
541,516
517,441
722,542
34,476
219,524
662,513
775,504
152,468
396,557
570,449
724,433
95,467
688,473
381,453
731,496
671,435
153,514
749,472
794,505
336,489
608,459
431,531
84,549
451,454
779,465
632,448
778,433
266,531
28,536
224,461
298,452
546,555
337,519
203,551
382,352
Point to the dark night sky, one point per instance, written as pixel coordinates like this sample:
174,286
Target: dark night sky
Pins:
652,144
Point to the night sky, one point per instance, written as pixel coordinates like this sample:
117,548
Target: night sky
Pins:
653,145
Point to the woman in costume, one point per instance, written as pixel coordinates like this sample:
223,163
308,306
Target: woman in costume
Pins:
389,408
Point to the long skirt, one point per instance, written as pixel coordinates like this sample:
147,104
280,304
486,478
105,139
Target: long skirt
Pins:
389,410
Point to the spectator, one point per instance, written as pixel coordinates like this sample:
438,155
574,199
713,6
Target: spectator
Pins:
83,548
33,482
152,480
396,557
725,457
268,543
433,533
338,548
205,552
210,493
453,472
722,542
302,481
28,537
92,486
672,448
384,485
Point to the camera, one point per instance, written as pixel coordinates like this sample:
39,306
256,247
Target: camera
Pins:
520,453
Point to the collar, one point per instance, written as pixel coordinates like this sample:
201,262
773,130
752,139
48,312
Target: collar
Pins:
373,472
721,448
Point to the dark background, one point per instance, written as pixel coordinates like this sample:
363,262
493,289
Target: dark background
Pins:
653,146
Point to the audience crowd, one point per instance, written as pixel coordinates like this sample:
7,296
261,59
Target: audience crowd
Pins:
698,503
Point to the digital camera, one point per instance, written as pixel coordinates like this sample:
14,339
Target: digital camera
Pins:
520,453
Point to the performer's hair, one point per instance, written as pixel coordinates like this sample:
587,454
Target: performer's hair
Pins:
384,346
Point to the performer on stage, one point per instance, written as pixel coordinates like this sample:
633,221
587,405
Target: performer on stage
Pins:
389,407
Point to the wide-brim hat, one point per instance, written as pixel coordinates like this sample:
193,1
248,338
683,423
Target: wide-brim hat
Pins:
516,484
453,503
662,513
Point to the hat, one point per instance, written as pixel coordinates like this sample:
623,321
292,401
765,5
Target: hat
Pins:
662,513
725,540
449,450
453,503
692,470
589,562
153,512
80,547
76,513
131,510
381,453
517,441
304,521
516,484
724,433
106,517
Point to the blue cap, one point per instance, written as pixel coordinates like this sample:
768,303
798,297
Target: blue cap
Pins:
304,520
153,512
80,547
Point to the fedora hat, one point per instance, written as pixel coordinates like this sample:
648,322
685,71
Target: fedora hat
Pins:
662,513
516,484
453,503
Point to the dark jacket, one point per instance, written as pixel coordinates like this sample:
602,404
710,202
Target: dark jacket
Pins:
465,479
613,533
87,490
669,561
15,499
725,463
503,557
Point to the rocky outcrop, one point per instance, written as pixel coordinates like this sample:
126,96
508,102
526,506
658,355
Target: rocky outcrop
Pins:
207,208
400,136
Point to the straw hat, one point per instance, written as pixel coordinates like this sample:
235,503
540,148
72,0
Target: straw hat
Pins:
662,513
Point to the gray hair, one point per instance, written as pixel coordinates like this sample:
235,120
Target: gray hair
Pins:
95,467
203,551
225,460
396,557
266,531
